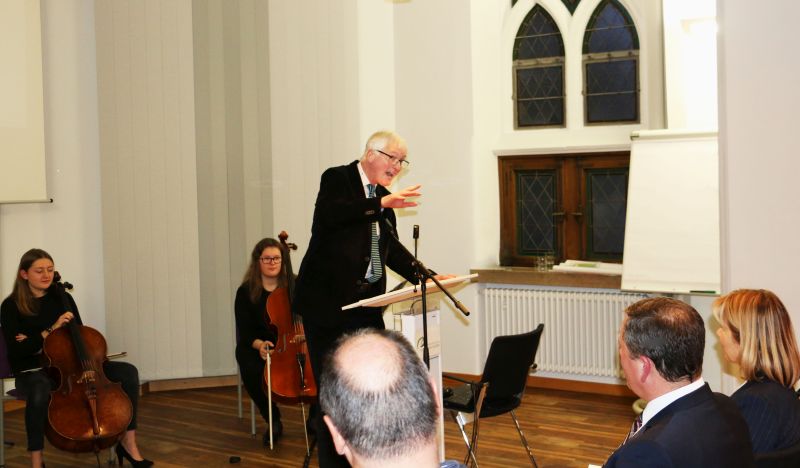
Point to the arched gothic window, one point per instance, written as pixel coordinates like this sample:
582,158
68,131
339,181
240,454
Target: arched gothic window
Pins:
538,62
611,65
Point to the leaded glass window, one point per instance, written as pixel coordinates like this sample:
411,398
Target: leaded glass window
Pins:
607,198
572,205
538,61
611,61
536,202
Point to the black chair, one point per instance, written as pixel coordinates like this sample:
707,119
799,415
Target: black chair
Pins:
499,390
239,385
786,458
5,373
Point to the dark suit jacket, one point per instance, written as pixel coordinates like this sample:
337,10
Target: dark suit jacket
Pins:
332,271
772,413
702,429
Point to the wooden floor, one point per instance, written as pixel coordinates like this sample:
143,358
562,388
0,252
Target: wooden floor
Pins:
200,428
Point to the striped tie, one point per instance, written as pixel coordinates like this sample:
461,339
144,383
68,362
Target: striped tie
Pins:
637,424
375,257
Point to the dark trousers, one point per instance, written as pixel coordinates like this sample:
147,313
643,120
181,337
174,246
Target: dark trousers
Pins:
251,366
320,341
37,385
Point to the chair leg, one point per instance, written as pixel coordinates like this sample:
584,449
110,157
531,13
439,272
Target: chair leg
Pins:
252,418
524,440
2,429
239,392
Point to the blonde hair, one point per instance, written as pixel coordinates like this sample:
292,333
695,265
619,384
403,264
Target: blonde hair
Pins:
761,325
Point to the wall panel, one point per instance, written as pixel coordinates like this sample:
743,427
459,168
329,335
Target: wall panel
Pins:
149,189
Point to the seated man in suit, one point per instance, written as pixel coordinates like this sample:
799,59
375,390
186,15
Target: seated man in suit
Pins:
379,402
685,424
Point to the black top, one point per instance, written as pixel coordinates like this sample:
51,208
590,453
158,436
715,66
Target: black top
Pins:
772,412
26,354
251,320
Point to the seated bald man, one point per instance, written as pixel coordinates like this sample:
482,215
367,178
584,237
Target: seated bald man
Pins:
379,402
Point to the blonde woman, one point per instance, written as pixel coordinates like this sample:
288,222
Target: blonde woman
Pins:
756,333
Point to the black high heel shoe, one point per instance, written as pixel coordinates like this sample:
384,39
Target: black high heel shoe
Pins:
122,453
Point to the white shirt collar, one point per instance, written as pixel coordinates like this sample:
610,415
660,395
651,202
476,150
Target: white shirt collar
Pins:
364,179
657,404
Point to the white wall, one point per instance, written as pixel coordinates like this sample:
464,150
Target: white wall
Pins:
314,75
70,228
434,113
759,98
690,66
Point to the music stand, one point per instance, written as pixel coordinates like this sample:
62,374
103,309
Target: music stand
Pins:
416,291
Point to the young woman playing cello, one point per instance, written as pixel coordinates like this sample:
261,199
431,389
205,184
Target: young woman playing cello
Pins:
28,315
265,273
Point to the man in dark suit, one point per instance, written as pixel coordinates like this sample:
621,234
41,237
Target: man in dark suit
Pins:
685,424
352,240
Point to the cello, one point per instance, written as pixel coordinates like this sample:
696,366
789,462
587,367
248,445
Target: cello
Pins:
87,412
288,374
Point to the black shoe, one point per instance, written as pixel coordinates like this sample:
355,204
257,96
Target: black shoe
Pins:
122,453
277,432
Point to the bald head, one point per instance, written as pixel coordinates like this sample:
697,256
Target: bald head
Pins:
369,362
377,394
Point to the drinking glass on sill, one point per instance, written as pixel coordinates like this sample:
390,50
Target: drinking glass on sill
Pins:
549,260
541,263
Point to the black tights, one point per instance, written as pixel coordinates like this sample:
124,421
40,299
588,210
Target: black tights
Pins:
37,385
252,370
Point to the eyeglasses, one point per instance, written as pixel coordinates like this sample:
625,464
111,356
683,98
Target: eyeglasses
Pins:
394,160
270,260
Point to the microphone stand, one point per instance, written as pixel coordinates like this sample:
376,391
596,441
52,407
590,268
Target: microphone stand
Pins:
423,274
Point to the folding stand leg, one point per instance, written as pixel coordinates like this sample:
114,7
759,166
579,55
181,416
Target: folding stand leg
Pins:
457,417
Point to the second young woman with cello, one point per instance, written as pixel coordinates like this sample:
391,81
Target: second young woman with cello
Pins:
255,336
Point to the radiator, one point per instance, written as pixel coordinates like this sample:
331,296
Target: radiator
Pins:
580,327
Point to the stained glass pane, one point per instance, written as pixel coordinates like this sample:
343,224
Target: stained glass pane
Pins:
607,192
536,202
540,96
611,85
538,37
611,91
571,5
610,29
608,77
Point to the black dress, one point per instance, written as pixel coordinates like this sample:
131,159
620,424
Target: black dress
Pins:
772,412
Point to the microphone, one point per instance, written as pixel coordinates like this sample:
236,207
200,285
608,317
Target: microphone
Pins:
416,231
390,227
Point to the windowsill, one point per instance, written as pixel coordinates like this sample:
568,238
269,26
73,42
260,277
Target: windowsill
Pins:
530,276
